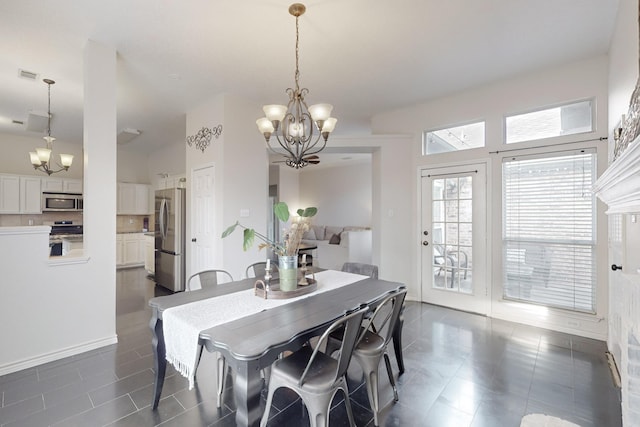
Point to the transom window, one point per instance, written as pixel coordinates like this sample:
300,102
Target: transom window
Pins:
567,119
463,137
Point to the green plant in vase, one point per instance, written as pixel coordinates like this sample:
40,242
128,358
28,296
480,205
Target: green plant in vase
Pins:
287,249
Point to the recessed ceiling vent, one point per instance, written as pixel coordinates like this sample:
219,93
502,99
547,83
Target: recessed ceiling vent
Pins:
126,135
29,75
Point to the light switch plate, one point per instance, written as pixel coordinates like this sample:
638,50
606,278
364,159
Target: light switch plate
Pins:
244,213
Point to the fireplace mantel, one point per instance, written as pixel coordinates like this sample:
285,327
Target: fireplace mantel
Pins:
619,185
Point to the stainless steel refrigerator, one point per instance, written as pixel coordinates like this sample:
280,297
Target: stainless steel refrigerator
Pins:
170,238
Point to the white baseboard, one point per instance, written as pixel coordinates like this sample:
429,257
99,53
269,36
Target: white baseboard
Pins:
59,354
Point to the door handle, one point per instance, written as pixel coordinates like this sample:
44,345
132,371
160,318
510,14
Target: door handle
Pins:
194,239
425,243
616,267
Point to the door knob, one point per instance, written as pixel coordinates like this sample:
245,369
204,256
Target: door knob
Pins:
426,233
193,240
425,243
616,267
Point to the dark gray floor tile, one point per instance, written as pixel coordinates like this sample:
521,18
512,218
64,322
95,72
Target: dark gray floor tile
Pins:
21,409
121,387
441,414
54,414
101,415
30,389
490,415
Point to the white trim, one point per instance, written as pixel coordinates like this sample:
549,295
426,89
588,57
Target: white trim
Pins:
56,355
29,229
619,185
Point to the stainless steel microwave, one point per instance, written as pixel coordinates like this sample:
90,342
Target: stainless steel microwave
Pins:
60,202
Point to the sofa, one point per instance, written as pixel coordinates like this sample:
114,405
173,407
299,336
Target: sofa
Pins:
337,245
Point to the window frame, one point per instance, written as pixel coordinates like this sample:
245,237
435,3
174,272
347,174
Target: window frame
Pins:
455,125
593,130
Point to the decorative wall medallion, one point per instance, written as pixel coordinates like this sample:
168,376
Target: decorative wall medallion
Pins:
203,138
631,125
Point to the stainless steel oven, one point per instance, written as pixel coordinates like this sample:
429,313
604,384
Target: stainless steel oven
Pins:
61,202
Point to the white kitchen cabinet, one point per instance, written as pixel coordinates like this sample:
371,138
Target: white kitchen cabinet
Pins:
130,249
134,199
61,185
9,194
72,185
172,181
149,254
30,195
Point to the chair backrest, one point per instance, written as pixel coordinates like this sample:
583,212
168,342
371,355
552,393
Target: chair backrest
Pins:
258,269
361,268
352,320
386,314
209,278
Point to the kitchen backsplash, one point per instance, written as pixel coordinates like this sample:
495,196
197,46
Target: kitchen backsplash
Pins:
39,219
124,223
132,223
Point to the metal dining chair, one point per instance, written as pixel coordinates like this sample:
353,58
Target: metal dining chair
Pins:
372,345
315,376
372,271
257,269
361,268
209,278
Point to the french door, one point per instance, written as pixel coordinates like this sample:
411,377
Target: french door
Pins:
453,237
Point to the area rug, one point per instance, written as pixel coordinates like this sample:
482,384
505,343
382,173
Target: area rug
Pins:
541,420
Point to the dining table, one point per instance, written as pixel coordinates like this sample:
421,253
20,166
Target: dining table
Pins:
253,342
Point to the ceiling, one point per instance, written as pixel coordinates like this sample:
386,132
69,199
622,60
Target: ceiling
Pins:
363,56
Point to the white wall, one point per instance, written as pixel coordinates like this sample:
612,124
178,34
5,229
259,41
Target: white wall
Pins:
574,81
133,166
170,159
241,175
624,288
342,194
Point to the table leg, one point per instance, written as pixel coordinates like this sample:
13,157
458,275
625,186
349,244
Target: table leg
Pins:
160,362
246,389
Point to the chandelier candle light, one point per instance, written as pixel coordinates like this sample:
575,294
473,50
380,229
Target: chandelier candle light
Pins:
293,124
40,158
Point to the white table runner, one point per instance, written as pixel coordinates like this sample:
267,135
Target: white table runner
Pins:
182,325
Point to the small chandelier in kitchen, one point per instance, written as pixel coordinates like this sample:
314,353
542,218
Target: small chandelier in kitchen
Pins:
40,158
293,124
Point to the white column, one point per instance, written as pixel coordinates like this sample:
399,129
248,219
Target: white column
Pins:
100,165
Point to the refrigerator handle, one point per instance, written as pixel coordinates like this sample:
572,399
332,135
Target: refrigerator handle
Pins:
163,218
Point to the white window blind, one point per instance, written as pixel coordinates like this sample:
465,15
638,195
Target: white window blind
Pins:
549,230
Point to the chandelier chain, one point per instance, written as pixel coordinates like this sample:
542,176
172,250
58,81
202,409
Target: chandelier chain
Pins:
297,74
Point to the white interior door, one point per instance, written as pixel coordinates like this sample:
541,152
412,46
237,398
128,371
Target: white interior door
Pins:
202,220
454,227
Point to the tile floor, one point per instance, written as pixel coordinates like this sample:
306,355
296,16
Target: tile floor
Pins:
461,370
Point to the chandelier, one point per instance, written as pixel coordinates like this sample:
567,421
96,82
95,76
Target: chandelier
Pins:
40,158
295,124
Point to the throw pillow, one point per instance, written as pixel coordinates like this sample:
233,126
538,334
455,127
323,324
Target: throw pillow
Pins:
309,235
335,239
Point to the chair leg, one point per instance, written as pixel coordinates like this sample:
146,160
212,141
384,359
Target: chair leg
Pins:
347,403
387,363
397,344
267,408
